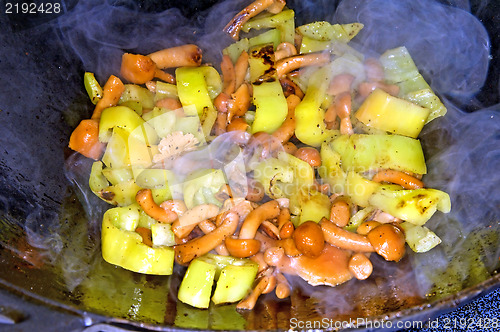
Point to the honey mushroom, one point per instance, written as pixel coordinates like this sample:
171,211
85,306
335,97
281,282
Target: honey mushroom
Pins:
283,288
388,240
234,26
310,155
309,239
287,128
289,64
360,266
140,69
343,239
192,217
208,226
340,213
144,198
242,248
365,227
184,253
254,219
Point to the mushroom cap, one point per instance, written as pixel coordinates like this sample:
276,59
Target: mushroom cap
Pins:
329,268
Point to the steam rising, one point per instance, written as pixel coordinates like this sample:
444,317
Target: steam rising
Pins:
448,44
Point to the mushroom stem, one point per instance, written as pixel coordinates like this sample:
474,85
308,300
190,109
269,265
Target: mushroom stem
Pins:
188,251
253,220
286,65
343,239
234,26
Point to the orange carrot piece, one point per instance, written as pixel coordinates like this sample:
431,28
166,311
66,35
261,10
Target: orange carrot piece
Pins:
112,92
404,180
85,139
137,68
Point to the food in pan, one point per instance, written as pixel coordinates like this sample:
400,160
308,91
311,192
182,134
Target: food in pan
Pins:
300,157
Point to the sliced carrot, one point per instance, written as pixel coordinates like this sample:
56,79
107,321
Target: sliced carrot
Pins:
404,180
112,92
137,68
85,139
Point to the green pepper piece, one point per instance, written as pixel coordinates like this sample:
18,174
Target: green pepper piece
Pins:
398,116
324,31
272,36
261,64
283,21
136,106
358,218
126,249
161,195
120,194
93,88
211,179
145,220
193,90
139,94
398,65
126,217
271,107
116,154
124,117
235,281
234,50
266,22
415,206
361,153
152,178
427,98
97,181
303,173
234,278
309,125
412,84
162,235
117,175
400,69
273,174
164,90
360,189
310,204
419,238
162,120
213,79
190,125
330,170
196,286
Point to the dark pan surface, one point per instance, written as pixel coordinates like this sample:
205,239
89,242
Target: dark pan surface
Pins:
50,244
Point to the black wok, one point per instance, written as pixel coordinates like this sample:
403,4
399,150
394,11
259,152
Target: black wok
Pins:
49,240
